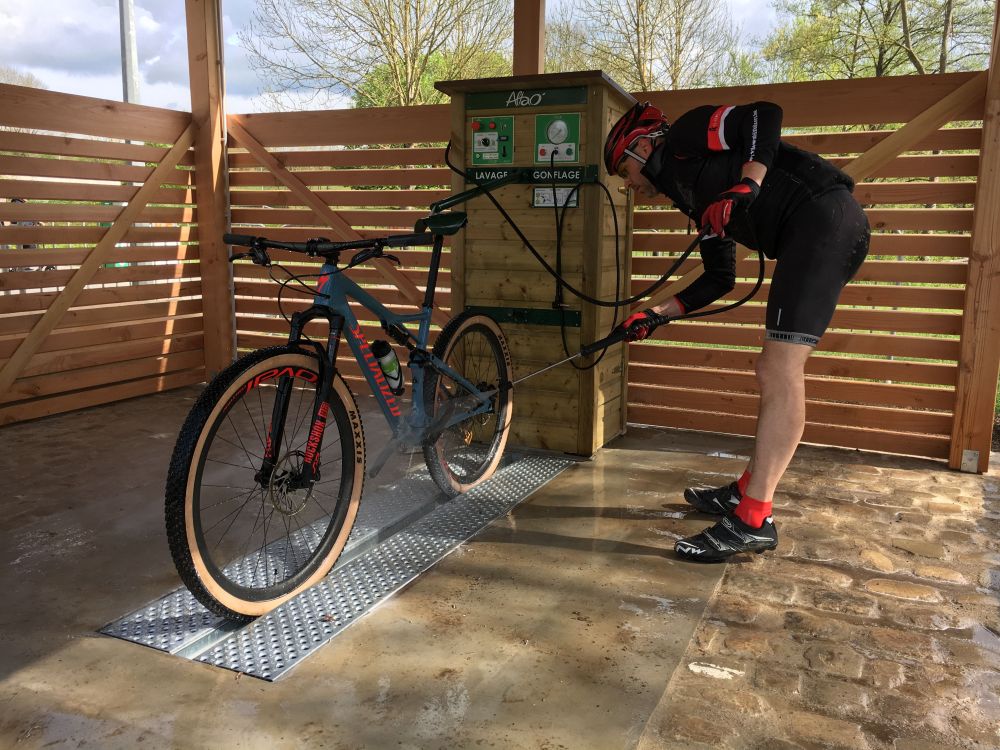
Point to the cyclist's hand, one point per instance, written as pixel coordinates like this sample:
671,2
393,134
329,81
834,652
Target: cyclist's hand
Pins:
638,326
728,202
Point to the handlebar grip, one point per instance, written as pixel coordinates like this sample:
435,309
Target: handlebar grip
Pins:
613,338
246,240
618,335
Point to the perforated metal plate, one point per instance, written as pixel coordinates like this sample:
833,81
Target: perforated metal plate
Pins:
401,531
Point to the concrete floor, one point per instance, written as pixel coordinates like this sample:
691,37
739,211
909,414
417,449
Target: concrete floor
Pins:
567,624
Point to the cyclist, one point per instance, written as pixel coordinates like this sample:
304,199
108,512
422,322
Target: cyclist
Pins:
727,170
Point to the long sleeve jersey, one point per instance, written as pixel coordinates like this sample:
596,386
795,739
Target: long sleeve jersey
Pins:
703,154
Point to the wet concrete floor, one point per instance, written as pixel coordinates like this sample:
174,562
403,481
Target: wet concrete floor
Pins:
567,624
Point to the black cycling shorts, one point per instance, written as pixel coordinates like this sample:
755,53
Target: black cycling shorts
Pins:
819,249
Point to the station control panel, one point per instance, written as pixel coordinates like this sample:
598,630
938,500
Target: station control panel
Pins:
539,134
556,139
497,141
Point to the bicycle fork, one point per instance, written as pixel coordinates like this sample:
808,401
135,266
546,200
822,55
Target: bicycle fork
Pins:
309,472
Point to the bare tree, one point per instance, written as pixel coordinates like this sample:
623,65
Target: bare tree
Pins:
647,45
376,52
20,78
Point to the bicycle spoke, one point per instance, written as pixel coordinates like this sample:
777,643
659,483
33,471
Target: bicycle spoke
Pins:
260,552
253,421
227,500
241,445
226,463
238,447
236,511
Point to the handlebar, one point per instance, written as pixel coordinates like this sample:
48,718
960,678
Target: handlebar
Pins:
369,248
620,334
322,246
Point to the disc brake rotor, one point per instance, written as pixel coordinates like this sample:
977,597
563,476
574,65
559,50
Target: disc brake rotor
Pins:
282,490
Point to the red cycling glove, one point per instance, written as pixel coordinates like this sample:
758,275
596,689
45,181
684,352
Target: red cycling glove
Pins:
737,198
638,331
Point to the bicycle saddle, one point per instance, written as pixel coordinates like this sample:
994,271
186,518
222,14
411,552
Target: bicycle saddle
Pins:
443,223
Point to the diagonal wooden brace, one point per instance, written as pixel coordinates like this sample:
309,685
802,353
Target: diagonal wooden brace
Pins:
343,230
871,161
94,260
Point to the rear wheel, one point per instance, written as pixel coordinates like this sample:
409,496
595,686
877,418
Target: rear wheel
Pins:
244,541
467,453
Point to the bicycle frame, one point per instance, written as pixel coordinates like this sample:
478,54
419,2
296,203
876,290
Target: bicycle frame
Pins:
332,302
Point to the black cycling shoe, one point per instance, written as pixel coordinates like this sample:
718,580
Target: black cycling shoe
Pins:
728,537
717,502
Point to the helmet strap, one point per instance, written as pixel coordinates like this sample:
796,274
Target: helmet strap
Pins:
634,155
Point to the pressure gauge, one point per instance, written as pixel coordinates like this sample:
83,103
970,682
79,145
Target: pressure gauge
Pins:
557,131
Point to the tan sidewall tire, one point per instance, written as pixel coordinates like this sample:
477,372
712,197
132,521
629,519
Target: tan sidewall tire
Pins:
491,324
255,609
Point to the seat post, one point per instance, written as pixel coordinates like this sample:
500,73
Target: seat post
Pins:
432,274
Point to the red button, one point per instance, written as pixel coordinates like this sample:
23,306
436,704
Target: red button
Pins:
493,126
541,152
476,125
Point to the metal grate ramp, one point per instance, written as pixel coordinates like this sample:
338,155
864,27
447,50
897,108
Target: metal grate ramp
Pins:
402,529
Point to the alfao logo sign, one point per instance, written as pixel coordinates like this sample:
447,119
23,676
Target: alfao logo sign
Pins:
520,99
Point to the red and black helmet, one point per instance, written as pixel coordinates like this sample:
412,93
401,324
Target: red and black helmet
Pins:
642,121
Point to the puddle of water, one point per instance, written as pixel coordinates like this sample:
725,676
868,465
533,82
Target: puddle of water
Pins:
713,671
662,604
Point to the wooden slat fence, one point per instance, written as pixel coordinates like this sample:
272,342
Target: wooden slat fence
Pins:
885,374
99,276
367,183
884,379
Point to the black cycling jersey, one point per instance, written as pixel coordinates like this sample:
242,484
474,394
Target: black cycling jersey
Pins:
703,153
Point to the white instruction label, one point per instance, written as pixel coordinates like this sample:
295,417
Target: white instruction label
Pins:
543,198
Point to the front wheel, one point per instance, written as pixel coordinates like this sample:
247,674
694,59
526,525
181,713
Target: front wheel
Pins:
467,453
246,536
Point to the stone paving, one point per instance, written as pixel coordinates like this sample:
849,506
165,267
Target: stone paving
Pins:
875,625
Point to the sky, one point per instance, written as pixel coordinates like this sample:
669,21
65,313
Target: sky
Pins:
74,46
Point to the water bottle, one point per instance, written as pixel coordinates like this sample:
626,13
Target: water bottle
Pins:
389,363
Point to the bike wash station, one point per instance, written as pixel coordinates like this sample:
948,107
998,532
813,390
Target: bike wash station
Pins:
534,144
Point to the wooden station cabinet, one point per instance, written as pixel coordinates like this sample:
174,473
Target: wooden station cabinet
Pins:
549,130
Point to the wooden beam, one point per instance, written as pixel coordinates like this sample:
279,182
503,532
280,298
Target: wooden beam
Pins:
529,37
862,167
918,128
97,257
340,227
211,174
979,361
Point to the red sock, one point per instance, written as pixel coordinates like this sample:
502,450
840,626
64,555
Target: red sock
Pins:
743,481
752,512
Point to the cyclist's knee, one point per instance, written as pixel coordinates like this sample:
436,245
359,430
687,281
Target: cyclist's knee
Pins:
781,368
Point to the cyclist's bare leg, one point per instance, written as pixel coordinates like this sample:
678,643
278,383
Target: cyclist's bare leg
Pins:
781,414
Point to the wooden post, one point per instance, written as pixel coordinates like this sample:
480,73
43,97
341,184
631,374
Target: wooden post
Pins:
211,180
529,37
979,361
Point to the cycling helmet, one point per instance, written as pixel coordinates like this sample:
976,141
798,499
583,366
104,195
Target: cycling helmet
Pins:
642,121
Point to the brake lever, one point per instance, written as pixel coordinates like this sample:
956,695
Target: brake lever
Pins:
393,258
259,256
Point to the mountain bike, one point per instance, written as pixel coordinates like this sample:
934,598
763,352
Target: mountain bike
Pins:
268,469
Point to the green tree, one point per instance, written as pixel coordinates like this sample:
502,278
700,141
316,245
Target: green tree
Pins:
869,38
373,51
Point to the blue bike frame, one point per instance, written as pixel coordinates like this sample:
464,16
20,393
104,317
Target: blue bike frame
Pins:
331,301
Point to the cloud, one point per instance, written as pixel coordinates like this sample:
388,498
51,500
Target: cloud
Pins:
75,46
79,36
